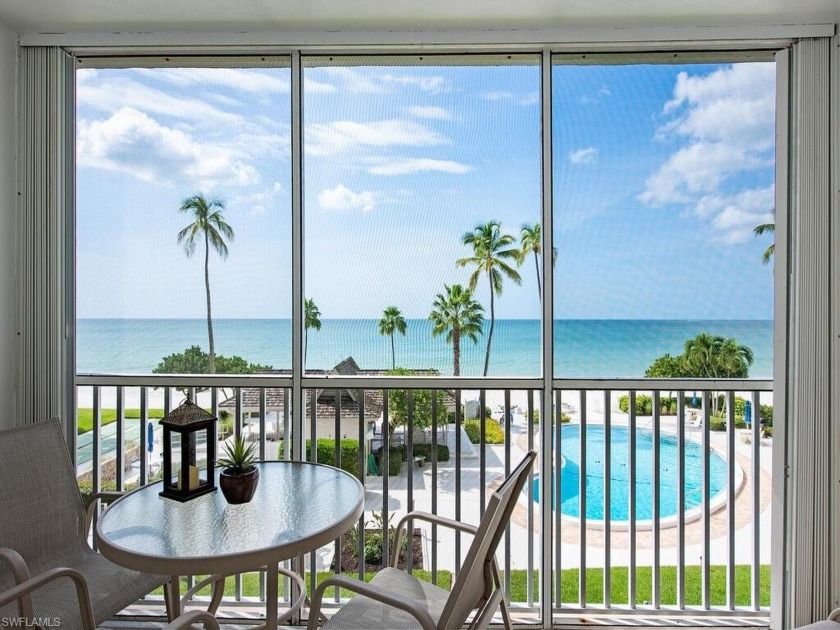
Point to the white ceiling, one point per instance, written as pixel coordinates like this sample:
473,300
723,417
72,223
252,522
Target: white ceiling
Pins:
109,16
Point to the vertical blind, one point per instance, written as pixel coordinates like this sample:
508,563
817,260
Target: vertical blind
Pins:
812,490
44,245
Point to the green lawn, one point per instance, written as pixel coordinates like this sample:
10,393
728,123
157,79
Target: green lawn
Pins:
84,417
594,585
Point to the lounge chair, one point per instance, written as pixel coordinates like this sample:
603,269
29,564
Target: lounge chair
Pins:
47,569
395,599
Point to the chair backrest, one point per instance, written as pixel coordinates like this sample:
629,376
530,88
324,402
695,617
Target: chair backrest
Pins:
474,583
41,511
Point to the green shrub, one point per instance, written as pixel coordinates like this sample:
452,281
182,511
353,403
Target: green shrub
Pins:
766,415
644,405
325,452
425,450
564,417
493,432
395,460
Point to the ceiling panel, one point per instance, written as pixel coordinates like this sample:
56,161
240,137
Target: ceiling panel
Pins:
87,16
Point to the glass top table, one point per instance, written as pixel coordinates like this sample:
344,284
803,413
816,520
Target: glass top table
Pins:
298,507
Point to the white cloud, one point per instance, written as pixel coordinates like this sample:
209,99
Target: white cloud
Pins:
735,216
257,202
430,111
589,155
341,135
132,142
248,80
723,124
530,98
108,93
342,198
497,95
430,85
728,118
590,99
407,166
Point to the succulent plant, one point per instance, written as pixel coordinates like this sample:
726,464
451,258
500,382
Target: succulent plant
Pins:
237,458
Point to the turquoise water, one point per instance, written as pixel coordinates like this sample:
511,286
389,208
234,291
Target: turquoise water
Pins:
583,348
619,474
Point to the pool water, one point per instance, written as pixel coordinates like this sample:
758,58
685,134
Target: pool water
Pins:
620,484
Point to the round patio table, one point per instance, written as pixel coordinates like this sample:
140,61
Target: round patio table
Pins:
298,507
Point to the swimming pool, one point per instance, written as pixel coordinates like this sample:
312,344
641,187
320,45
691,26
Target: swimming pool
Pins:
619,474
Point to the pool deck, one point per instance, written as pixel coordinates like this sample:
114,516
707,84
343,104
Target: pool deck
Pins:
471,482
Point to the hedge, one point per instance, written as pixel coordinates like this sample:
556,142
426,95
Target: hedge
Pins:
425,450
493,433
325,452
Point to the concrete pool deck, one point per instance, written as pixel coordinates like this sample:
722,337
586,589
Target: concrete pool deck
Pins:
570,551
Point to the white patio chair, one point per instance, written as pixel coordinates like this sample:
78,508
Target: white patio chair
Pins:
395,599
47,569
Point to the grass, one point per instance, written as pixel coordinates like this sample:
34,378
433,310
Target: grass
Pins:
84,417
594,585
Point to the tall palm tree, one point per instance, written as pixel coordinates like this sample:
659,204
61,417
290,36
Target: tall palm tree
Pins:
458,315
311,319
530,242
209,223
392,321
771,249
491,252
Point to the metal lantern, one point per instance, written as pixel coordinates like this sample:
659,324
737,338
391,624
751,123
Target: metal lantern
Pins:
189,452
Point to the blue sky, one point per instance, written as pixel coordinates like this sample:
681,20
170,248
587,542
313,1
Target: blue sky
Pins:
661,172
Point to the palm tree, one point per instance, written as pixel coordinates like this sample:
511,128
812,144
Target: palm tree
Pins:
530,241
709,356
209,222
311,319
766,228
491,251
458,315
392,321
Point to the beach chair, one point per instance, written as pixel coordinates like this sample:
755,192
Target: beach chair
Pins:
47,569
395,599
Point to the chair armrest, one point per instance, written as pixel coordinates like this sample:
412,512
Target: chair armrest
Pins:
90,506
194,616
25,589
20,573
834,615
431,518
374,592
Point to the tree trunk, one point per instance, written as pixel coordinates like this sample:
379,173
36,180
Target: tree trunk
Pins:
393,355
492,325
539,284
212,353
456,351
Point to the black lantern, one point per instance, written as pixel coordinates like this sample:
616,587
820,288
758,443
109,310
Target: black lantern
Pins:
189,452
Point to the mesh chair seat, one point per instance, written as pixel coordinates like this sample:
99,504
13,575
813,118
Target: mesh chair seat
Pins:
362,613
42,518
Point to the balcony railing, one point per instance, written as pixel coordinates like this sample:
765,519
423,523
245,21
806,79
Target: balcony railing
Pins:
659,489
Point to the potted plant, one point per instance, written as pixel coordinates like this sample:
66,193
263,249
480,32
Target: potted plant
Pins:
239,476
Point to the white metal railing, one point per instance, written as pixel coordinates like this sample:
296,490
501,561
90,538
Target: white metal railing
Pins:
645,560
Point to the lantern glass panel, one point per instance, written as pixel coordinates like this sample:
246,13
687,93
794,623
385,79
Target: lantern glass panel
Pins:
175,450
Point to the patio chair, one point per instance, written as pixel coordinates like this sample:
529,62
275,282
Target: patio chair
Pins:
47,569
832,623
395,599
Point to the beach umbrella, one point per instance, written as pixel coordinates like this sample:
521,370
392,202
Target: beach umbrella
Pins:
150,437
748,413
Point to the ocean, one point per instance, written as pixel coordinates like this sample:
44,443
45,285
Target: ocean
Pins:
583,348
